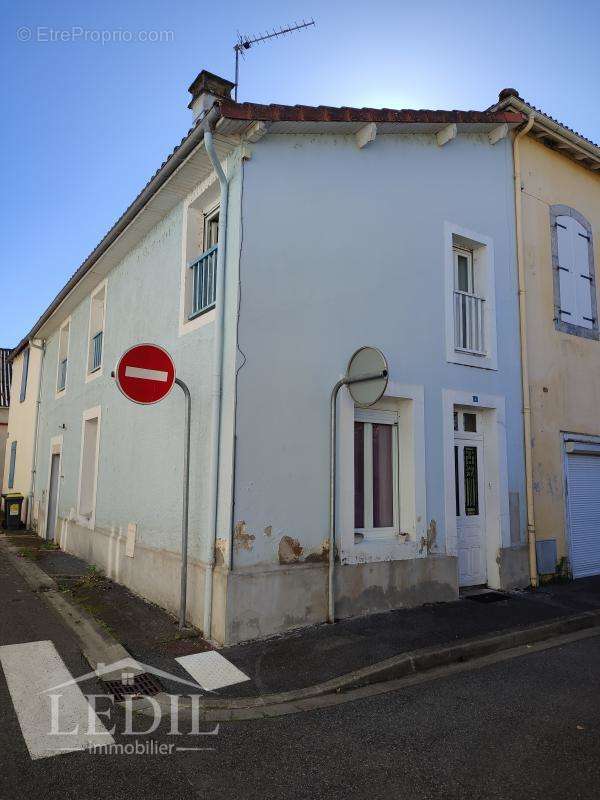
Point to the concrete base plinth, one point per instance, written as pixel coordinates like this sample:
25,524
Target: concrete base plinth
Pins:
264,600
514,567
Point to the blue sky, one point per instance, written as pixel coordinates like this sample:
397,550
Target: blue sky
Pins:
85,124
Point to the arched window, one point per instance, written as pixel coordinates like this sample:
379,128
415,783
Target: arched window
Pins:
574,276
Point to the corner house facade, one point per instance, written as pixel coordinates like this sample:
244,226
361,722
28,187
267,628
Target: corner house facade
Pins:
559,177
328,229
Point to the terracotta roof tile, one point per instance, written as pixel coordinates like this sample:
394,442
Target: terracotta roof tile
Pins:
282,113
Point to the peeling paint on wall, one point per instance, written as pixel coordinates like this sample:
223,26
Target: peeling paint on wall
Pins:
320,554
428,542
241,538
221,552
290,550
268,530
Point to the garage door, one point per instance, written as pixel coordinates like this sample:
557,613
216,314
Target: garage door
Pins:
584,513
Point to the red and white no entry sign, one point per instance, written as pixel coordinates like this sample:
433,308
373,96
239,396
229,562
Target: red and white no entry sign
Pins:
145,373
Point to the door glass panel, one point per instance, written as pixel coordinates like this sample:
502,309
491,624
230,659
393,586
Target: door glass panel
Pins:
383,478
470,422
471,482
359,475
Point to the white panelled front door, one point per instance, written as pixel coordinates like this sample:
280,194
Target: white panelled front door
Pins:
469,498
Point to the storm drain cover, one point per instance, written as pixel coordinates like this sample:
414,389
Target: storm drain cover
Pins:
487,597
143,685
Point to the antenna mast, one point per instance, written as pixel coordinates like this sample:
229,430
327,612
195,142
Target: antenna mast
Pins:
246,42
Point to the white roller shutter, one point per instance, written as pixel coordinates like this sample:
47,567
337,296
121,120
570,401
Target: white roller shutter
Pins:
583,475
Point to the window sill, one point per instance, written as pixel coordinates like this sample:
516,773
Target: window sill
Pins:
93,374
576,330
471,352
201,313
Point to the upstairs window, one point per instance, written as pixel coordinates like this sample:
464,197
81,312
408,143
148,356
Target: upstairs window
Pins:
469,324
574,278
96,331
470,298
203,269
24,375
63,357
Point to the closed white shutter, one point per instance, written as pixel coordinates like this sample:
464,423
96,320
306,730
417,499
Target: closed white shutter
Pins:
581,245
566,270
574,272
584,513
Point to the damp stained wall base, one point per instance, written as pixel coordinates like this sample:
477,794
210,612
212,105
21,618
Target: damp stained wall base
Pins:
267,601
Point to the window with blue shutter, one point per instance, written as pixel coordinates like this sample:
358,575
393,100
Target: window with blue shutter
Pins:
574,281
24,374
11,467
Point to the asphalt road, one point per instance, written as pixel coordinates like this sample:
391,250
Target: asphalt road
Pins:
527,727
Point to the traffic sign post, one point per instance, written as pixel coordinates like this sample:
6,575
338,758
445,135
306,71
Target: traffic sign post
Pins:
367,379
145,374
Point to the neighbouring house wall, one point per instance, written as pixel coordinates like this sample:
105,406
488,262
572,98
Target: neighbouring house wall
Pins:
140,460
345,247
21,424
3,438
564,369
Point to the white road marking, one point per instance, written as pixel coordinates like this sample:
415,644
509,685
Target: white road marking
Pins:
212,670
146,374
30,669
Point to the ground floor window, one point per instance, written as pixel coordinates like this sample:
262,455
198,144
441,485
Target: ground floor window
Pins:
376,472
89,464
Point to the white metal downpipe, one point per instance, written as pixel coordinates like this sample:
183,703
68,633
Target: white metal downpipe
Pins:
531,537
38,401
217,378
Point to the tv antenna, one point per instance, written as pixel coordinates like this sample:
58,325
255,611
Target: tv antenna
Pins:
246,42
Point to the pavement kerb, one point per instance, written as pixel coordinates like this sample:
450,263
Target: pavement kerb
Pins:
418,661
97,645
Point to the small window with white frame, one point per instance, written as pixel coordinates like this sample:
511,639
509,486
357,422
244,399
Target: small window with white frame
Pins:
96,331
376,473
63,357
470,298
202,267
469,324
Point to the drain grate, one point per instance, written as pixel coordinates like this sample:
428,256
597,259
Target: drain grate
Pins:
487,597
144,685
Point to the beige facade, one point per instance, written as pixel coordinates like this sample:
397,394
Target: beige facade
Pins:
557,193
22,424
564,368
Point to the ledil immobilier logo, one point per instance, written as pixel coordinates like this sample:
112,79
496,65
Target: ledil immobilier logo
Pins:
57,717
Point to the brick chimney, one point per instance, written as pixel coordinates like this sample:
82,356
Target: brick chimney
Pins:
207,88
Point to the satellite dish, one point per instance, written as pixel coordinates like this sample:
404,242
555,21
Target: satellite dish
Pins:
367,376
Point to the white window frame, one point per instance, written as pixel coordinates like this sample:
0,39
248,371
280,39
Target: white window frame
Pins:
204,200
66,324
408,403
370,418
89,375
468,254
85,520
481,247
